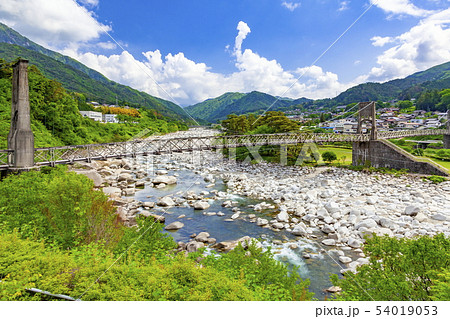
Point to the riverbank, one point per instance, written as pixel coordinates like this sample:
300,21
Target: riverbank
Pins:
312,218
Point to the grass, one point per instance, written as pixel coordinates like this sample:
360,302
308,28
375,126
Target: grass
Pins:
339,153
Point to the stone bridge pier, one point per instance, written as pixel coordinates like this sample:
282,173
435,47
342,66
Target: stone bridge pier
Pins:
382,153
20,137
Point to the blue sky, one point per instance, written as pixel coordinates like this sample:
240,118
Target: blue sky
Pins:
188,51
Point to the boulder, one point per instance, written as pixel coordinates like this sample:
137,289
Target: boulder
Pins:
125,177
112,191
92,175
148,204
344,259
174,226
193,246
299,230
354,243
329,242
327,229
202,237
368,223
201,205
164,179
261,222
166,201
439,217
411,210
283,217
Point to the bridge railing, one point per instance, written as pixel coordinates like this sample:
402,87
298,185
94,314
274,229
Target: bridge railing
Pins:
409,133
4,158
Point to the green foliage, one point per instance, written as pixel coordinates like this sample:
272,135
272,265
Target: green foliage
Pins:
60,207
270,122
418,152
400,269
436,179
270,279
76,77
30,264
55,117
329,156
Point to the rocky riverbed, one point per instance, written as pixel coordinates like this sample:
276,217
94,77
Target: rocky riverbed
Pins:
332,209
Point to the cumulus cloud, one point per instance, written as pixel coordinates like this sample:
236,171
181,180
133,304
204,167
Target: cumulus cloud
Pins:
378,41
291,6
175,77
52,23
400,8
423,46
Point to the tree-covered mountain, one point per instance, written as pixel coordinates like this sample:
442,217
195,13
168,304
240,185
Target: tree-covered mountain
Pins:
435,78
77,77
216,109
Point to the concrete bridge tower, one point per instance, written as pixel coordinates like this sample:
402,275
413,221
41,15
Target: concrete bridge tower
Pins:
20,137
447,136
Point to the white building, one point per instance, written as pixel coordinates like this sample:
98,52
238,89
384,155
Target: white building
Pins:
110,118
96,116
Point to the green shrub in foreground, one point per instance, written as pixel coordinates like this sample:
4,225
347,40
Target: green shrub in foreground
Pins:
29,264
401,269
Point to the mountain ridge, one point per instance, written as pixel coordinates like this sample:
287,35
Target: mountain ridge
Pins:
77,77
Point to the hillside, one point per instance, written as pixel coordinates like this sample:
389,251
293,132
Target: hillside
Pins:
435,78
216,109
77,77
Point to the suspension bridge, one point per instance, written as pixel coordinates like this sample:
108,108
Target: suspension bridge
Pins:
372,147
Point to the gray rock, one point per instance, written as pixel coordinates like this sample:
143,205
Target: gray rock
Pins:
439,217
92,175
261,222
148,204
202,237
125,177
112,191
193,246
354,243
344,259
174,226
411,210
327,229
368,223
164,179
299,230
201,205
166,201
329,242
283,217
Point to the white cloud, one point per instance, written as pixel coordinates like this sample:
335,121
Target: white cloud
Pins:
92,3
400,8
107,45
423,46
187,82
52,23
343,5
378,41
291,6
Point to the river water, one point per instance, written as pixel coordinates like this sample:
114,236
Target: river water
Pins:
317,268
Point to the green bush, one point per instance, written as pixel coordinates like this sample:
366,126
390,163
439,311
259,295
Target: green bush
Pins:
29,264
60,207
329,156
400,269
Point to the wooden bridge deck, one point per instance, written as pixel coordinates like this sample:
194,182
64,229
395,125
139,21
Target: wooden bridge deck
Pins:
163,144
